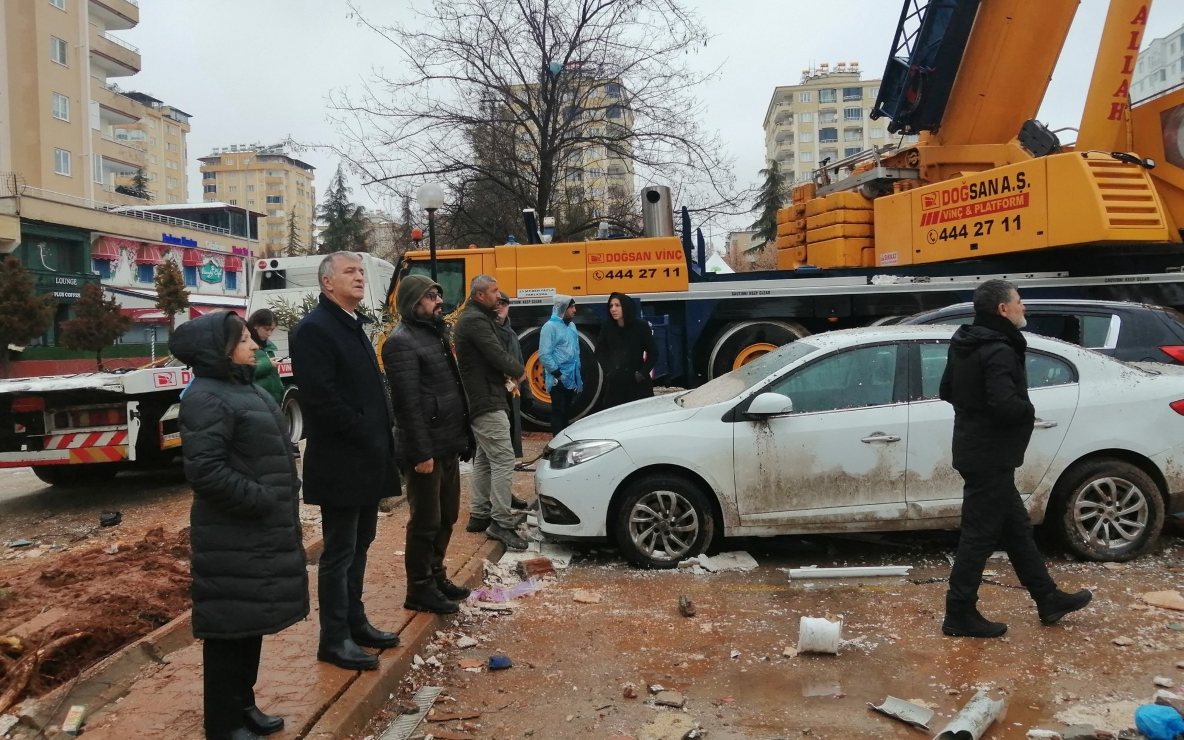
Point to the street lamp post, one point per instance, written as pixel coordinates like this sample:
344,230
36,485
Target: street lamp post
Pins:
431,199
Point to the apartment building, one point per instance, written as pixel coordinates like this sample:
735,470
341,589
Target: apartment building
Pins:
65,126
1160,66
266,179
825,117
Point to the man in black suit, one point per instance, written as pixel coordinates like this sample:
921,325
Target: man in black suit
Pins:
349,462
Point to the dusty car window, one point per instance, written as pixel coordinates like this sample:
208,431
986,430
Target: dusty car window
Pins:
736,382
933,366
852,379
1045,370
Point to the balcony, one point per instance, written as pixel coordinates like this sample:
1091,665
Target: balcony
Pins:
126,153
784,136
784,115
114,56
116,15
114,109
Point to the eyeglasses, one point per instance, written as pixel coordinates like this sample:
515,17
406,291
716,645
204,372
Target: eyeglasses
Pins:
434,295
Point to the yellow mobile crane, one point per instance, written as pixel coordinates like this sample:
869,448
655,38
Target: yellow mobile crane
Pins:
985,191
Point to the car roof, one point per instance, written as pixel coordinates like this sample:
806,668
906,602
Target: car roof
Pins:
1045,302
910,332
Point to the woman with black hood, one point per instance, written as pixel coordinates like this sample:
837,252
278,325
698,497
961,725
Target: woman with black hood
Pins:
249,571
627,353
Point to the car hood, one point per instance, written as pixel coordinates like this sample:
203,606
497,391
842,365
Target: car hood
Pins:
649,412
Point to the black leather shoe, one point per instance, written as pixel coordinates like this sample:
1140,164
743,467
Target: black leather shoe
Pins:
370,636
517,503
1058,604
967,622
241,733
477,525
432,602
347,655
453,592
260,723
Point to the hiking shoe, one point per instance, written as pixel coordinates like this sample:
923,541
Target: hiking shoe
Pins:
969,623
477,524
1058,604
517,503
453,592
507,537
432,602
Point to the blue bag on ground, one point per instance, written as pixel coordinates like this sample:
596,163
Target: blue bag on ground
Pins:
1158,722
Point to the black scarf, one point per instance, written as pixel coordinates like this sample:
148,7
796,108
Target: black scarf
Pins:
1003,325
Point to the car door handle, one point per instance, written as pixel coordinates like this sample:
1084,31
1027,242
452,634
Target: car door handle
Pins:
880,437
1040,424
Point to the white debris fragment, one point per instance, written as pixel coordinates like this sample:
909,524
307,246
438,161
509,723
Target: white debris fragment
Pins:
464,642
1163,682
728,561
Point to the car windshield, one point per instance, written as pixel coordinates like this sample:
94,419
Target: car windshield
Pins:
741,379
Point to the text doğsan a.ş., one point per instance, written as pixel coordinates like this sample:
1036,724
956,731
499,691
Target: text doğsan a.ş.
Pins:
971,200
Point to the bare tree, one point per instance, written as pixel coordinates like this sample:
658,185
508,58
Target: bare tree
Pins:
535,104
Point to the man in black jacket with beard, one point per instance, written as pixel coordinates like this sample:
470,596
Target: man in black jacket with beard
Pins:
986,381
433,421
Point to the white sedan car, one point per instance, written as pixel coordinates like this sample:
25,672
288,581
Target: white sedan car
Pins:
843,432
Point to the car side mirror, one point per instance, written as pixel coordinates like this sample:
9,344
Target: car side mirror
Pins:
770,404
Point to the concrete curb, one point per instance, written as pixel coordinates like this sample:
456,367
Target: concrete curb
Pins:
369,691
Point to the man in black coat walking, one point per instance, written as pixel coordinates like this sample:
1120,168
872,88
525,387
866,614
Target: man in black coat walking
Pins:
986,381
349,462
433,421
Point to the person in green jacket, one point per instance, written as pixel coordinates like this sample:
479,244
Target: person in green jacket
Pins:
261,325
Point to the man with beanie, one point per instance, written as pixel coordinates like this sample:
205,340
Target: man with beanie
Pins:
559,351
489,372
986,381
433,427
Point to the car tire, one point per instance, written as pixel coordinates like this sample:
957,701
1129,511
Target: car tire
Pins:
537,415
293,413
669,494
76,475
741,343
1097,499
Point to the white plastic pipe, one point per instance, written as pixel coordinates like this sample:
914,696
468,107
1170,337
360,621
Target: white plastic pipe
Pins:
854,572
973,720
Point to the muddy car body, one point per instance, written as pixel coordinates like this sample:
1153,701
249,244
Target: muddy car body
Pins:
843,432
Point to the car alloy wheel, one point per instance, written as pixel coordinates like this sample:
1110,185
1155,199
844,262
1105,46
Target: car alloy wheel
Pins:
664,525
1111,512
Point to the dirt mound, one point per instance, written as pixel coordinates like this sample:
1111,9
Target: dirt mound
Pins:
56,621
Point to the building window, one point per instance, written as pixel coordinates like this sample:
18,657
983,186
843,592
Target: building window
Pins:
170,164
826,135
234,188
209,175
805,118
58,51
829,154
232,281
250,202
61,162
612,90
228,160
853,134
246,161
615,111
59,4
250,188
145,273
806,137
828,116
276,199
852,93
172,182
805,97
876,133
851,151
209,188
806,156
61,107
873,92
233,202
103,269
827,95
853,114
152,158
190,275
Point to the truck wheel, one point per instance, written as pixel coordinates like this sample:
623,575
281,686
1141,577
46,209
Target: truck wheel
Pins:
76,475
663,519
1107,510
537,414
293,413
740,344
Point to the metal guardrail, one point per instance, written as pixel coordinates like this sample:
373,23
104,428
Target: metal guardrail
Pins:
118,210
124,142
120,42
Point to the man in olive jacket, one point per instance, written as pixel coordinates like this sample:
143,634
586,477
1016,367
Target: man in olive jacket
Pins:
986,381
433,422
349,461
488,371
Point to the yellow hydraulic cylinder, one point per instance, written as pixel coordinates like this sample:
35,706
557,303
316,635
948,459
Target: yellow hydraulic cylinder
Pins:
1105,125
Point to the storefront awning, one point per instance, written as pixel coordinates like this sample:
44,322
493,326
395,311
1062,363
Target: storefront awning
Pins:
233,264
192,258
146,315
148,255
106,248
195,311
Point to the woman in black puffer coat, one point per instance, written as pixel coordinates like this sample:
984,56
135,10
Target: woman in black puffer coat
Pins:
249,570
626,351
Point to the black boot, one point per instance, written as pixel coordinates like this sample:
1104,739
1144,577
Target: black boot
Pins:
370,636
477,524
260,723
1057,604
963,620
451,591
346,654
431,601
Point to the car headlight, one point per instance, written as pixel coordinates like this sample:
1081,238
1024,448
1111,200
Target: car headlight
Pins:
575,453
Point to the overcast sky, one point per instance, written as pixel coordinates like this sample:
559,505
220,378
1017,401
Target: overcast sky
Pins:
261,70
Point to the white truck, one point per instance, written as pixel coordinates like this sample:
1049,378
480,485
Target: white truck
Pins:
85,428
